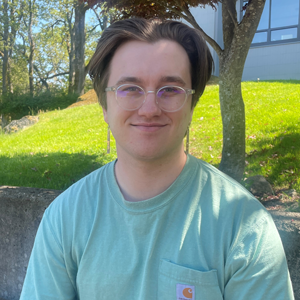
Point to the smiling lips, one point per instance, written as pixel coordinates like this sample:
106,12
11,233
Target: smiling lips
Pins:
149,127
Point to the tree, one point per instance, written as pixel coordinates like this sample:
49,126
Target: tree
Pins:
237,38
9,25
57,42
32,12
68,18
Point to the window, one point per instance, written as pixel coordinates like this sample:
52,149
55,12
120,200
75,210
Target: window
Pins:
279,22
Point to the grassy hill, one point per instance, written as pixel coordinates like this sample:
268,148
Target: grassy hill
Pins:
65,145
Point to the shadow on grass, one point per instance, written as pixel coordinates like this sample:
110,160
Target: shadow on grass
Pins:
52,171
278,158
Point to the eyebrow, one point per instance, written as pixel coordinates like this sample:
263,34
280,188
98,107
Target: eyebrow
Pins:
164,79
124,80
173,79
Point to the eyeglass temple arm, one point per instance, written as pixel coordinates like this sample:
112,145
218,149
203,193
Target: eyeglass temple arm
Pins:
190,91
110,89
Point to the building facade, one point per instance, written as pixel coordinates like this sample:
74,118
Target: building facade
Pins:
275,50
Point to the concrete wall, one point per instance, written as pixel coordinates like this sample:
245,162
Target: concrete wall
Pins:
21,210
20,215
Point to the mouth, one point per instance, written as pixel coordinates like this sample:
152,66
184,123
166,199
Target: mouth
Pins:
149,127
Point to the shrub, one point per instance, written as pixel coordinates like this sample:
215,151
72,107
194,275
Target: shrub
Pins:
20,105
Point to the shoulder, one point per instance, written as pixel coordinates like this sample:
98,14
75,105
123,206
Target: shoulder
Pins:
77,206
232,205
73,213
84,192
212,180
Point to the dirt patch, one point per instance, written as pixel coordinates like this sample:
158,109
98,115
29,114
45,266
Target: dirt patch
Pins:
88,98
281,201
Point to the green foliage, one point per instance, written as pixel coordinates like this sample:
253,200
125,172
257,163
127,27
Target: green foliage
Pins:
19,105
166,9
66,145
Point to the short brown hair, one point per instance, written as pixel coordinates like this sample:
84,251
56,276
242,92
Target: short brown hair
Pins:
151,31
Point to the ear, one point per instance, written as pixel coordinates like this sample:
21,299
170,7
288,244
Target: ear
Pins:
105,114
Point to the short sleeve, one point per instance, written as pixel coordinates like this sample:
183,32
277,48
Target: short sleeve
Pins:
47,276
256,266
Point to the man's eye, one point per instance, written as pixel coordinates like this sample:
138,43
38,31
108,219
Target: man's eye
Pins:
170,89
132,89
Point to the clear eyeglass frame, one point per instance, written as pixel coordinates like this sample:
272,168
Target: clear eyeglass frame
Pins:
116,88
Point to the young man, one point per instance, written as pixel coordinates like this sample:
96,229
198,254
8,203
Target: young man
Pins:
155,223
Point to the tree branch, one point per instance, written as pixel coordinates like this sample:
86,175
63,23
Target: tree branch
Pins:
91,30
59,74
190,18
229,28
251,14
234,20
98,18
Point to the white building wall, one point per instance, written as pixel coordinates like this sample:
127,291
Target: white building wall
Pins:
277,61
280,61
208,19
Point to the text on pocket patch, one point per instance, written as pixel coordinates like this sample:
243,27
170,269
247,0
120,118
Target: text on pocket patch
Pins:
185,292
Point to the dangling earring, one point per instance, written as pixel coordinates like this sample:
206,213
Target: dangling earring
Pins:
108,139
187,145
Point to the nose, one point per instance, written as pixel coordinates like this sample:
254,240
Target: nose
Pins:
150,107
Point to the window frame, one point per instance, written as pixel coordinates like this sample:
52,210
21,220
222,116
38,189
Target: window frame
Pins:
269,30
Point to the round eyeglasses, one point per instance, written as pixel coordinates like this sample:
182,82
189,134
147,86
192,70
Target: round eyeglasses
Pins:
168,98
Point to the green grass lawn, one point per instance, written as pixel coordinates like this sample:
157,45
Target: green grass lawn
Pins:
68,144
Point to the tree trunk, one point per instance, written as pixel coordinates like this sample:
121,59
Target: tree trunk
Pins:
9,81
237,38
71,53
233,119
15,20
5,45
32,47
79,28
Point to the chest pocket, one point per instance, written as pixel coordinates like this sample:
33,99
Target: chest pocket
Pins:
176,282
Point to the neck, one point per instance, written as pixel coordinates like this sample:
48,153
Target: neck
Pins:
143,179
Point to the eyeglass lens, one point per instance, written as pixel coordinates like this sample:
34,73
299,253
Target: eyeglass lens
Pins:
169,98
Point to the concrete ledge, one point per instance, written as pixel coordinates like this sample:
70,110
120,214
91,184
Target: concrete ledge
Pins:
21,212
288,225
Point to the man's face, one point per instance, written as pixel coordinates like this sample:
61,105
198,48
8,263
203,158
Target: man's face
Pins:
149,133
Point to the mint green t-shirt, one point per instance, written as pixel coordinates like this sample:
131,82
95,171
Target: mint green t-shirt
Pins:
205,237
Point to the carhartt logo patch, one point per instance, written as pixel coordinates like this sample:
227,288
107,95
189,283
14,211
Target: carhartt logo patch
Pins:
185,292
